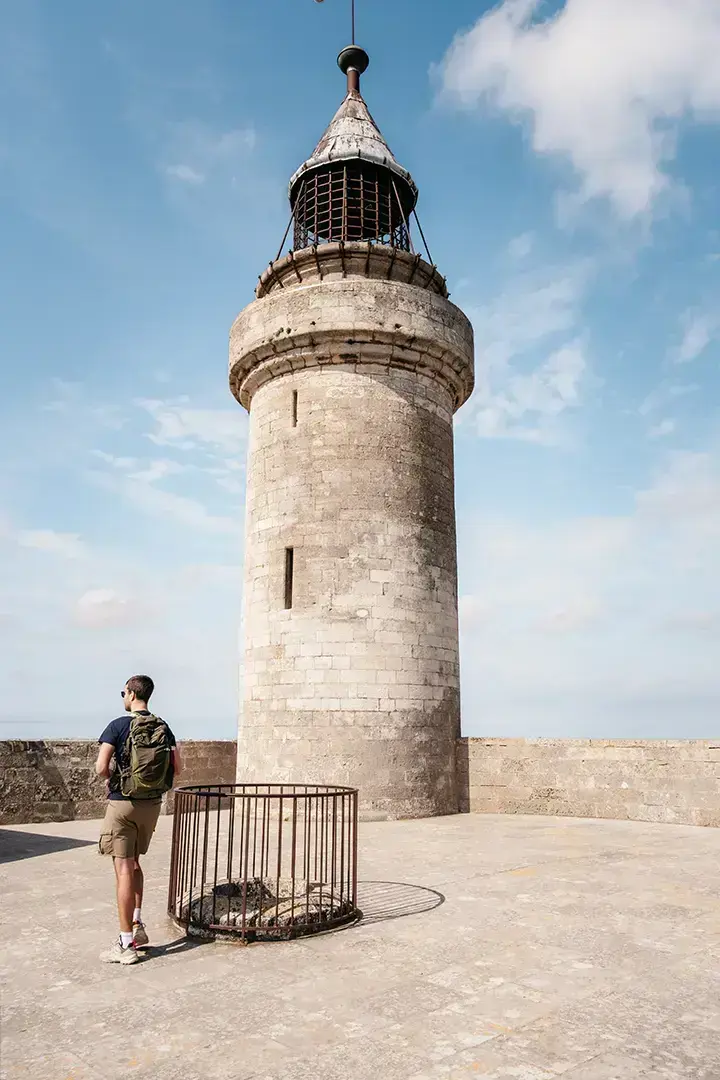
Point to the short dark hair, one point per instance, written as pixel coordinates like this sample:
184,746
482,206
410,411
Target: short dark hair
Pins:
142,686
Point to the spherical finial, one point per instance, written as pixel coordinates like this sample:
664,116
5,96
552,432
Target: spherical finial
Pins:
353,57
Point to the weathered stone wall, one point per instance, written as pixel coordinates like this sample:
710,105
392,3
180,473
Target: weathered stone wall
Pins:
352,384
56,781
664,780
673,781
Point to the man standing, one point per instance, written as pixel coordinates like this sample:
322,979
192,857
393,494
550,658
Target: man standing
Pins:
146,763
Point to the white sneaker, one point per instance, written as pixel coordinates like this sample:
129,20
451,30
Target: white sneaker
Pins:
116,954
140,938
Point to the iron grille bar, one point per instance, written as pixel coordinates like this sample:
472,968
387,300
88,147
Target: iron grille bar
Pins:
422,234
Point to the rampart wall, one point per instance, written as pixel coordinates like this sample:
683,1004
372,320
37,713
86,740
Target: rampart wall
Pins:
55,780
666,780
662,780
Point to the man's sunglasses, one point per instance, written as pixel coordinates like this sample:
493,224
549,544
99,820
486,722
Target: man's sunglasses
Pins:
122,693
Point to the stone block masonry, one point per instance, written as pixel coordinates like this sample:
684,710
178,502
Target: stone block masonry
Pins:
55,780
661,780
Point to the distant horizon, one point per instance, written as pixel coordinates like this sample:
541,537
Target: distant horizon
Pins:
225,728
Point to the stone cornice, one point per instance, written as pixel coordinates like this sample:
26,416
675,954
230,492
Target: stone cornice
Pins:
369,324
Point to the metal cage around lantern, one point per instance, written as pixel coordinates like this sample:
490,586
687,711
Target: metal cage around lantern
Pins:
352,201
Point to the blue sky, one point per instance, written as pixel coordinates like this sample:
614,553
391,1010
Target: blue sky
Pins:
567,157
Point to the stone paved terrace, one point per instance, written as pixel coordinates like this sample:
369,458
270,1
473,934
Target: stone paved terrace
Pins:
564,947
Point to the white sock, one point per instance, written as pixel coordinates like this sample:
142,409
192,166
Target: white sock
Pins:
126,939
137,915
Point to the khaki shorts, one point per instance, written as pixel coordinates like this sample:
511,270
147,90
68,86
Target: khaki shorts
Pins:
128,827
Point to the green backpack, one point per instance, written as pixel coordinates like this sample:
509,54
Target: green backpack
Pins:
148,771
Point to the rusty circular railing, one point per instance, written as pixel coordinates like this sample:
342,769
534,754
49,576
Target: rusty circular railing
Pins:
263,861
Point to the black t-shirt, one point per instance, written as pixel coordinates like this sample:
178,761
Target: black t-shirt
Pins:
116,734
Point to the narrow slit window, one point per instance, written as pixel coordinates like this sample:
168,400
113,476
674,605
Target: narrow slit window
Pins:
294,409
289,567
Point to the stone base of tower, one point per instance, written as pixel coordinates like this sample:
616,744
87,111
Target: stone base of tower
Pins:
401,770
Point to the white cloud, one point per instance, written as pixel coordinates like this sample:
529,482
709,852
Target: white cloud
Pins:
528,405
103,607
533,362
67,545
212,442
695,621
580,613
699,331
222,575
686,496
142,493
185,174
122,463
665,393
187,428
663,428
157,470
182,509
520,246
533,307
194,151
70,398
602,83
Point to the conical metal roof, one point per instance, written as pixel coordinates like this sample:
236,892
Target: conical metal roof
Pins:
353,135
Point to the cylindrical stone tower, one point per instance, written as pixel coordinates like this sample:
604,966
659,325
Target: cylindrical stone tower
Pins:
351,362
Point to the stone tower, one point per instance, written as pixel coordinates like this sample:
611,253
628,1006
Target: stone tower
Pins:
351,362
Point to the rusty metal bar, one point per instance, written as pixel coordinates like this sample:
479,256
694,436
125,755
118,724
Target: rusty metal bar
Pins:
344,229
174,859
247,808
217,852
231,837
422,234
191,848
206,831
287,233
184,872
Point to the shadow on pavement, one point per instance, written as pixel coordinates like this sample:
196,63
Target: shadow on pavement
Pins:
173,948
381,900
22,845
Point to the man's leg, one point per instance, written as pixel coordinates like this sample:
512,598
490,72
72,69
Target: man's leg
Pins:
125,882
123,951
119,838
139,884
140,936
145,816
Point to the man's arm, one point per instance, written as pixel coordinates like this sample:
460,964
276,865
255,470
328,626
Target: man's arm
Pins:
177,762
102,765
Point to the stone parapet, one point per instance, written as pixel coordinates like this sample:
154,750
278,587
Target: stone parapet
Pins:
662,780
55,780
336,262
